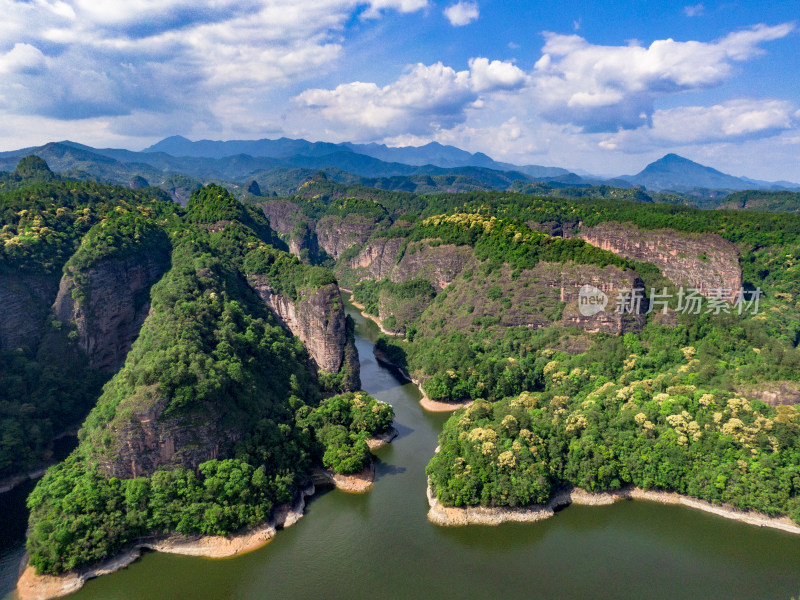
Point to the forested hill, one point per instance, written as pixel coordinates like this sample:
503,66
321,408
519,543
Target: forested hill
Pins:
481,293
219,332
209,385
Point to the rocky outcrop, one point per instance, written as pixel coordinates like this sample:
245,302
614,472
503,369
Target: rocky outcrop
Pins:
144,440
319,320
549,294
376,260
25,300
774,393
438,263
282,215
427,259
337,234
108,304
620,314
706,262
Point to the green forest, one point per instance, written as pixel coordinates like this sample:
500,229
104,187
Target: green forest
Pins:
210,360
672,405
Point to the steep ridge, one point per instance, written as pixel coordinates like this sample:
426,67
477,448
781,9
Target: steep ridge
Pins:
105,288
219,414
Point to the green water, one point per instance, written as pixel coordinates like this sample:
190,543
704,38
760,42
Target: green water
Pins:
380,545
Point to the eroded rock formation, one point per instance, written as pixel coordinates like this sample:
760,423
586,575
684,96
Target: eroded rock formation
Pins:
108,304
25,301
706,262
319,320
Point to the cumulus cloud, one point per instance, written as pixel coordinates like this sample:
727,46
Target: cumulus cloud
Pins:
462,13
604,88
726,122
425,99
77,59
22,58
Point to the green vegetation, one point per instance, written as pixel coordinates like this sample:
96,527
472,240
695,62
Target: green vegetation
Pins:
210,367
340,427
656,433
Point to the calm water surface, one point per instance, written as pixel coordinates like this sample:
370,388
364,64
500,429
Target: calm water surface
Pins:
381,545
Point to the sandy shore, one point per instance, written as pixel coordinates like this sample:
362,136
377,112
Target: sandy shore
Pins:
435,405
479,515
356,483
43,587
366,315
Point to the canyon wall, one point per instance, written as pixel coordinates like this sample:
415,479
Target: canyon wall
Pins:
706,262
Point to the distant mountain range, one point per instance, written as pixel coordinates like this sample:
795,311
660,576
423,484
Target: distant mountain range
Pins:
430,154
179,165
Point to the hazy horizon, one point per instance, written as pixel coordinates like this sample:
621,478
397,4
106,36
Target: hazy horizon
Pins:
602,89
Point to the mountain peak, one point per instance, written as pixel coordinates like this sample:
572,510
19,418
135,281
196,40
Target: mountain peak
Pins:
676,173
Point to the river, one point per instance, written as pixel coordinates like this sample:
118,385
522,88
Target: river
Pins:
381,545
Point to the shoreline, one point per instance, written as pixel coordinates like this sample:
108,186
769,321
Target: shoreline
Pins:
356,483
426,403
481,515
9,484
366,315
31,586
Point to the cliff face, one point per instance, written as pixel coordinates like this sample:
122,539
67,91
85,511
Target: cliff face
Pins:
319,320
115,303
540,297
706,262
144,440
612,282
25,302
438,263
337,234
377,259
282,215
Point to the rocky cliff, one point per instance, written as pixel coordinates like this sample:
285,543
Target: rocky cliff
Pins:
108,304
143,440
427,259
25,300
375,261
319,320
706,262
337,234
282,215
534,298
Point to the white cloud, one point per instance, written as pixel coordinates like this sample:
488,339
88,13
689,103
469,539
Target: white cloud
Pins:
425,99
726,122
462,13
22,58
495,75
694,11
604,88
75,59
403,6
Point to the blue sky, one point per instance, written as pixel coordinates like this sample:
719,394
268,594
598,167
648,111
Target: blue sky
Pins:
604,87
